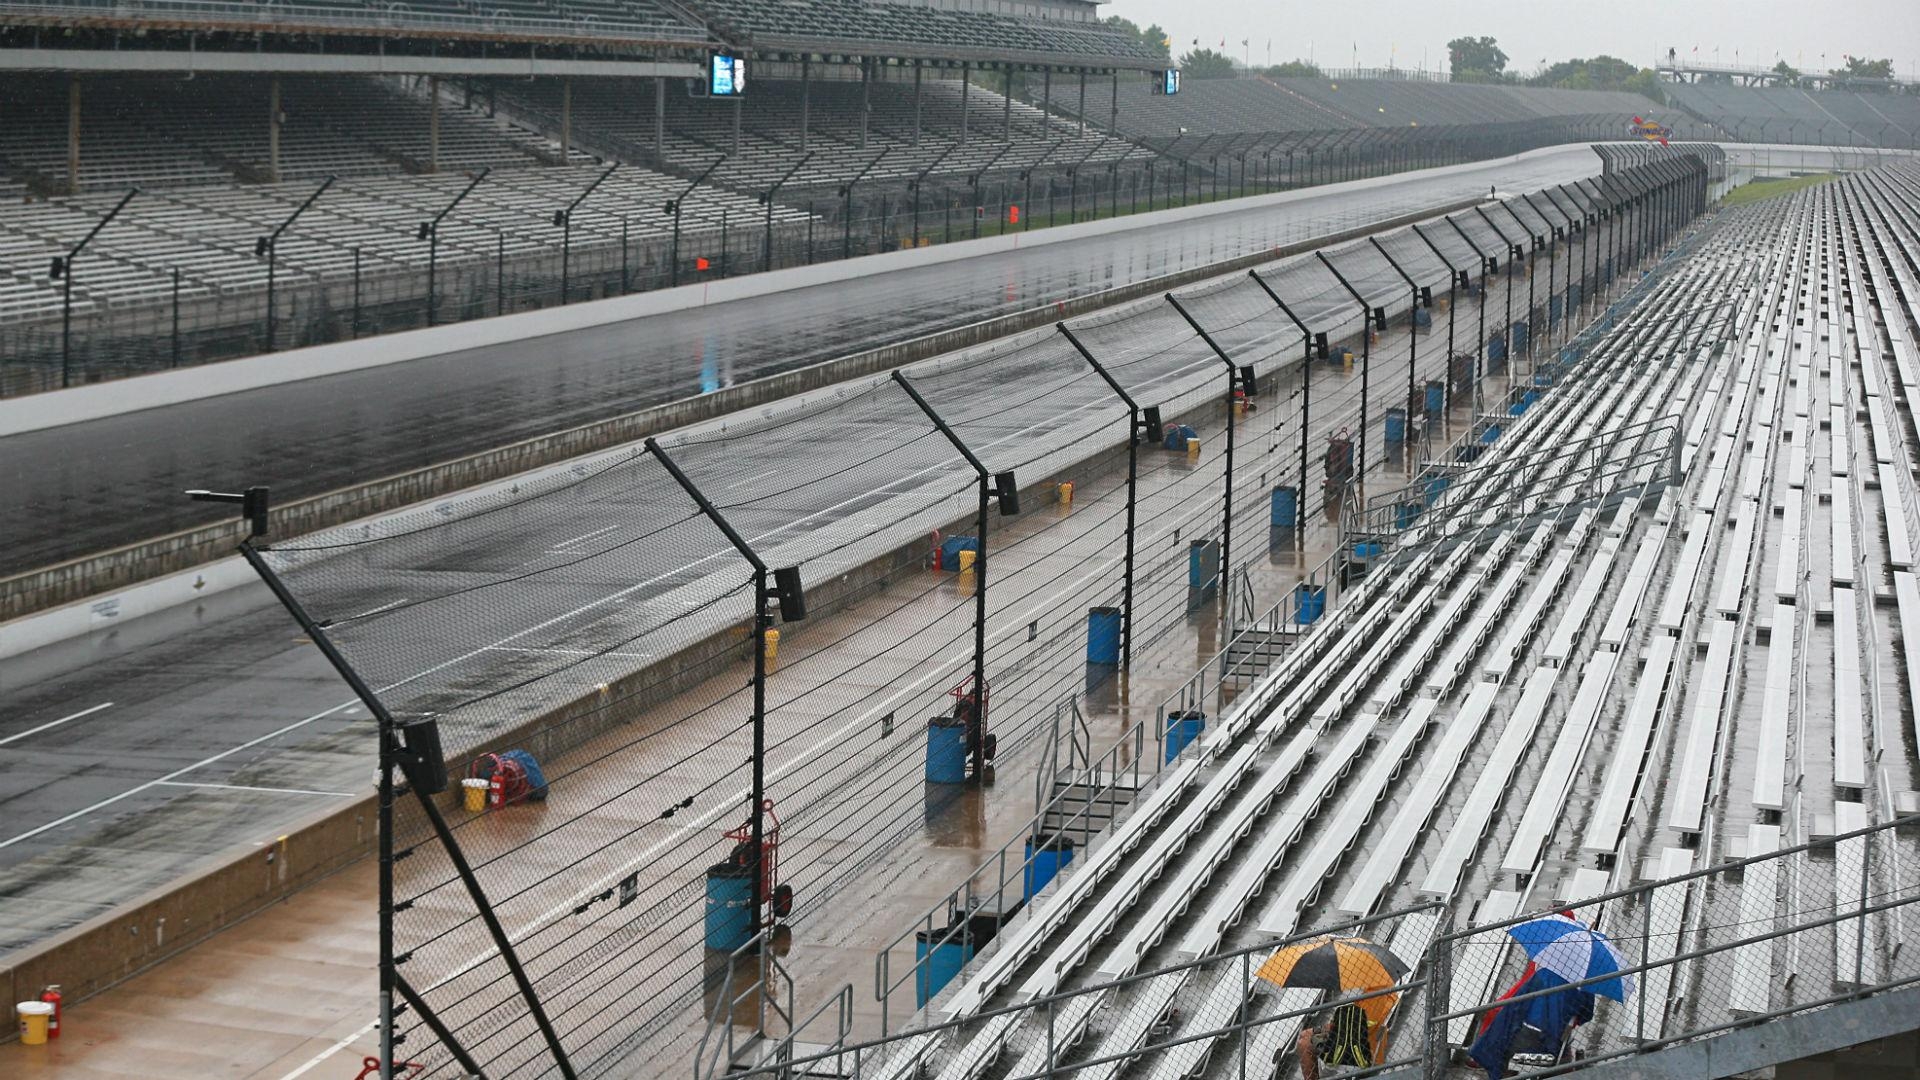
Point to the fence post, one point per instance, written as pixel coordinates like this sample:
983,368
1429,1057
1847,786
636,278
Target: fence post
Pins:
1646,947
1234,374
1006,489
625,221
396,751
499,272
1439,981
1136,427
1366,366
792,609
1306,395
356,293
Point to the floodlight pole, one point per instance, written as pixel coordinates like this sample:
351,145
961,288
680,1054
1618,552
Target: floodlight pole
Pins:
913,185
846,193
1135,428
430,232
268,245
63,269
1226,511
1413,332
1366,362
1005,489
674,206
564,219
1306,393
766,249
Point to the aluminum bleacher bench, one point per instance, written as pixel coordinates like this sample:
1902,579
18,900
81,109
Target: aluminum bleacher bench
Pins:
1750,983
1650,702
1555,781
1686,789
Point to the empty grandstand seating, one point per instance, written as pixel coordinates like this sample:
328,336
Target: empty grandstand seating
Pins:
1786,114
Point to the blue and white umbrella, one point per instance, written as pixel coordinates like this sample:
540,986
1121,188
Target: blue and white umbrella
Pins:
1574,951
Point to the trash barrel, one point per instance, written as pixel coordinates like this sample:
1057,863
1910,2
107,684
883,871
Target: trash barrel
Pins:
1309,603
1496,352
1422,318
1183,728
1396,426
1046,855
473,791
1405,513
1436,397
1203,564
1103,635
1520,336
938,955
950,550
729,906
946,750
1284,511
1437,486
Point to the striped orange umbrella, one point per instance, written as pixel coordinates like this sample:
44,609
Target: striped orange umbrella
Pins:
1340,965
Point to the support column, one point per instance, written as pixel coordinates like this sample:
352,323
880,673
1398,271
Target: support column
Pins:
1113,121
1006,110
273,127
73,133
866,97
566,120
966,84
806,89
1083,102
433,123
1046,98
918,71
735,151
660,118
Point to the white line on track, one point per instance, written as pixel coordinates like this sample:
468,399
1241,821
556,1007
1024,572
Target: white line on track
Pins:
175,775
56,723
249,787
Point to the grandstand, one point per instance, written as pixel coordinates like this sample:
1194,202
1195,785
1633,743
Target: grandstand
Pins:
1799,116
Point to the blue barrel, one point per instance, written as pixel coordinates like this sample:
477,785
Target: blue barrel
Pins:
1553,308
1183,728
1518,408
938,956
1103,635
1519,337
1203,564
1422,318
1309,603
1177,436
1487,436
1496,350
946,750
1405,513
1436,397
1284,511
1437,486
1046,855
1396,426
1367,549
729,906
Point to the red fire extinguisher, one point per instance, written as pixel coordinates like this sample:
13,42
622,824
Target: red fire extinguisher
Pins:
51,996
497,787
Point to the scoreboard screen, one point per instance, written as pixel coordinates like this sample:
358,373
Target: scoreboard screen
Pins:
726,75
1167,82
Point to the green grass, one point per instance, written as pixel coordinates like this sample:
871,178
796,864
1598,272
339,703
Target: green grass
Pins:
1756,190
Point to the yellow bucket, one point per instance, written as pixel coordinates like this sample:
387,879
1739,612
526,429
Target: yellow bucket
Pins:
473,793
773,644
34,1018
1193,448
1066,492
966,561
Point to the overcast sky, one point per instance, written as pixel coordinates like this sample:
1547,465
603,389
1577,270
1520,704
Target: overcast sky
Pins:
1641,31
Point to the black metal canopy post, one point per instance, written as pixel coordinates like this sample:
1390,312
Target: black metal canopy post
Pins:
1136,427
1413,333
1453,306
973,183
1554,233
1006,489
762,623
1073,181
1532,252
1306,385
1367,318
268,246
846,194
396,751
1234,377
1479,352
63,269
673,206
1026,177
766,199
430,232
1576,227
564,219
